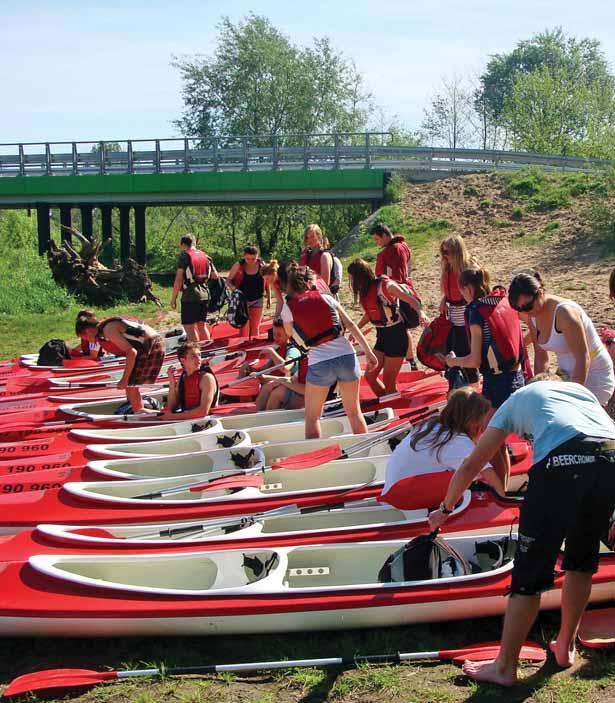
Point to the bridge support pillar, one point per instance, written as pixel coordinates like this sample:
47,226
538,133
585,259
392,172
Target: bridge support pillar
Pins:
86,221
124,232
44,228
140,233
66,221
105,221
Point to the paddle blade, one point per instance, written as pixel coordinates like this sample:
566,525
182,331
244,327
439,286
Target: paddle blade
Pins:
228,482
490,650
55,679
597,628
308,460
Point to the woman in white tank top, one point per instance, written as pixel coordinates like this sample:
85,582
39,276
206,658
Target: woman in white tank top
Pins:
562,326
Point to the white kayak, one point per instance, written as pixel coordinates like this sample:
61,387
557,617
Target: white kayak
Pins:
292,431
241,591
186,428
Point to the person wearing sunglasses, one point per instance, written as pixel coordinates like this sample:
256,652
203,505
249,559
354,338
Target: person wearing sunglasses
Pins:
562,326
496,340
455,258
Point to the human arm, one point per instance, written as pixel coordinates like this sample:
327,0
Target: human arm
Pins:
396,291
350,325
114,334
231,275
326,264
279,301
172,399
487,446
178,284
568,321
207,386
363,321
474,358
291,383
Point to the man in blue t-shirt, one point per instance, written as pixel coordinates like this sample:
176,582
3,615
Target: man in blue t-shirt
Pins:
570,495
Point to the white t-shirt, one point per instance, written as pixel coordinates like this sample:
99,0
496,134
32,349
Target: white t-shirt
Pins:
406,462
329,350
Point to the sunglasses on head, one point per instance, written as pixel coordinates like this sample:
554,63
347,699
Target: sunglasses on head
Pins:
526,307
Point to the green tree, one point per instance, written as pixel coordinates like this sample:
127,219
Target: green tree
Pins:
257,83
448,119
580,58
550,111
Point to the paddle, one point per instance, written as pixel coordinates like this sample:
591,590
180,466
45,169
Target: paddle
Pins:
305,460
597,628
74,678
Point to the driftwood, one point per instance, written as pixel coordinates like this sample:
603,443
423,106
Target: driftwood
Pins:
82,273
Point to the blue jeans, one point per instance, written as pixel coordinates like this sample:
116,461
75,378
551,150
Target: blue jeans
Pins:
327,373
499,387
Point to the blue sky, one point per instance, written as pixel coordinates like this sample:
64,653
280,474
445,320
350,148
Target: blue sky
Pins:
94,69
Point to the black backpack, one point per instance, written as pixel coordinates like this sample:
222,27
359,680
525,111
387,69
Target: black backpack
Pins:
218,294
237,312
53,353
424,558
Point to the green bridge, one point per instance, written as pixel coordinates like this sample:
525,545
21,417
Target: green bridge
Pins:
133,174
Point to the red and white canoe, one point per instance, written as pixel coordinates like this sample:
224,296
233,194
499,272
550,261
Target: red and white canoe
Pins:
239,591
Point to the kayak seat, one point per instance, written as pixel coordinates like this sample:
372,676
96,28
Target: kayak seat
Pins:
202,426
492,554
245,461
259,567
225,441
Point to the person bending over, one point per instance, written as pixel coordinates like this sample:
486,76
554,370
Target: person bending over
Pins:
571,495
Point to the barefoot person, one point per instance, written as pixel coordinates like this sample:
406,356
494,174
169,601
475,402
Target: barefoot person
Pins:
571,495
194,391
379,297
142,346
496,341
194,269
440,445
562,326
316,320
395,261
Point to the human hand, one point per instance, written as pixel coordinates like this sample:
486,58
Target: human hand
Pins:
171,375
173,304
423,319
372,361
450,359
436,519
122,384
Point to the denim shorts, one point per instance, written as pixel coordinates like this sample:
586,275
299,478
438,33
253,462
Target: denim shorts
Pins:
497,388
342,368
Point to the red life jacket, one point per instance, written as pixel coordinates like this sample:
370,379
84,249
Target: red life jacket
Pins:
134,334
505,351
395,260
189,388
380,308
434,343
198,270
314,320
451,288
313,259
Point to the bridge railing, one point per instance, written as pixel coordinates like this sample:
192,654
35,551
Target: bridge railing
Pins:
343,150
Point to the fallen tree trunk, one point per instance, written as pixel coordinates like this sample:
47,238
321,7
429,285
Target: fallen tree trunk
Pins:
95,284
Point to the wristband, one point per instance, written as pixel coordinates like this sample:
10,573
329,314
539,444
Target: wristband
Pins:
444,510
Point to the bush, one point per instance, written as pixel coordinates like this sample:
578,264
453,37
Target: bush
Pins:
526,182
517,214
601,220
471,191
551,226
485,204
395,190
551,199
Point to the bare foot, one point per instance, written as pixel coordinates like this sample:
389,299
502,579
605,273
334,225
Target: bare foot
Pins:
489,672
564,656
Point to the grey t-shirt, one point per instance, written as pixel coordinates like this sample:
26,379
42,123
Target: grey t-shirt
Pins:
550,413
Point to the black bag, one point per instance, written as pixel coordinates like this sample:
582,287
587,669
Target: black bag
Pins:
148,402
218,294
237,312
53,353
424,558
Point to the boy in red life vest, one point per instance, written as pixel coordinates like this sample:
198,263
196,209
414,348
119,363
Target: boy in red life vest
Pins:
194,391
194,270
395,261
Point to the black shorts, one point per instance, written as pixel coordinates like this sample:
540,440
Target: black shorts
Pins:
193,311
392,341
570,496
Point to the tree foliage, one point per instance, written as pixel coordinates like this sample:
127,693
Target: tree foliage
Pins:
448,119
257,83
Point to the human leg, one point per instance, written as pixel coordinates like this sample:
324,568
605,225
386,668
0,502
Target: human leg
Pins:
575,595
372,376
349,392
133,396
256,314
262,399
392,365
315,397
191,332
203,331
